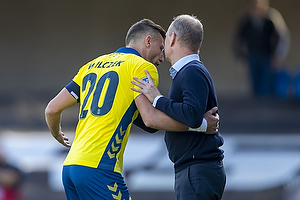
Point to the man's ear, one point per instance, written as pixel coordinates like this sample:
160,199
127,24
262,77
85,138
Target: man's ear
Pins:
147,41
173,39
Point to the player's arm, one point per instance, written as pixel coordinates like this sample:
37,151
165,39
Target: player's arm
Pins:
140,123
53,114
156,119
151,92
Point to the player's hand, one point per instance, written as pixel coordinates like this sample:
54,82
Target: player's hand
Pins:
147,88
212,118
64,140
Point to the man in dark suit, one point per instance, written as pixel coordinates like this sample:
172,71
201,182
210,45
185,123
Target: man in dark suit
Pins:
197,157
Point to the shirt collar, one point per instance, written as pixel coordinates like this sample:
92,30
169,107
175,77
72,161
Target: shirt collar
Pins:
185,60
128,50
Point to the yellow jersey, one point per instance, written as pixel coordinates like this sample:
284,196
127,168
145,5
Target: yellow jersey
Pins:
107,108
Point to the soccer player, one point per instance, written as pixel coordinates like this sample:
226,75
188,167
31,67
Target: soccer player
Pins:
108,107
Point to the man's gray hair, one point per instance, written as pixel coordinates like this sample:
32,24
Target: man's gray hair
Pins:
189,31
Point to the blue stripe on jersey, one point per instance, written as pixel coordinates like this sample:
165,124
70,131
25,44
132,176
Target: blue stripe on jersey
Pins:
74,90
108,160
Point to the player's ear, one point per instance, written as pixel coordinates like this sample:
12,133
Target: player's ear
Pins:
147,41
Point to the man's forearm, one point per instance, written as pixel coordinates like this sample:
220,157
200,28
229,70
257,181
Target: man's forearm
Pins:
53,122
55,108
161,121
156,119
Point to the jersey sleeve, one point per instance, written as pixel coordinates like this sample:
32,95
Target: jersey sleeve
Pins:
77,78
74,86
140,73
74,90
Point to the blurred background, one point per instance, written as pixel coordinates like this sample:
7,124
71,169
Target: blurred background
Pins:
44,43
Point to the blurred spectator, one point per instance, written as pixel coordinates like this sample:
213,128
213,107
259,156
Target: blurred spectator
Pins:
10,179
282,79
261,44
283,45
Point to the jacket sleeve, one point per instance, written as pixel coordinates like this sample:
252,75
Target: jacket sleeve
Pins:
194,88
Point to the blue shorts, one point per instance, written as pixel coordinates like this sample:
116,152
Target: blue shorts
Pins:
82,183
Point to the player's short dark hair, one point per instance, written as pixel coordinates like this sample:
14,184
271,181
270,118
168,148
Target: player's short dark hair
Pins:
142,27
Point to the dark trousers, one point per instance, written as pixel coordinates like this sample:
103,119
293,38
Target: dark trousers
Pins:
201,181
261,75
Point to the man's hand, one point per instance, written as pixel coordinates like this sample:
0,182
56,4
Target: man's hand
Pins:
148,89
61,138
53,114
212,119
